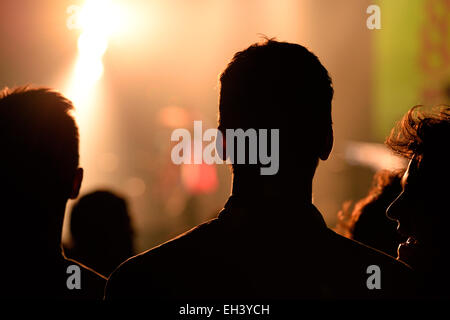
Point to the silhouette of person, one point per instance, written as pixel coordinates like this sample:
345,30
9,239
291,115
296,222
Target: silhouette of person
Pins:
102,234
269,241
39,145
422,208
368,222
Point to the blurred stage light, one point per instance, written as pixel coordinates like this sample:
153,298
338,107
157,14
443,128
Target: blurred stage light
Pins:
101,17
134,187
174,117
98,21
373,155
199,178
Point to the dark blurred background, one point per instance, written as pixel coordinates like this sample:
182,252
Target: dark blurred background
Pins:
136,70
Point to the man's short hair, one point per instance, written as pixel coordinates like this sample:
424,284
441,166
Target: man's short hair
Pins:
38,138
270,84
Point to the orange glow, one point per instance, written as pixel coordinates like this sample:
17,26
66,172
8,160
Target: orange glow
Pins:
199,178
174,117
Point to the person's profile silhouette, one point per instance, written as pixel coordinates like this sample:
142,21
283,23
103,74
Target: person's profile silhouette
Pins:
269,241
368,222
422,208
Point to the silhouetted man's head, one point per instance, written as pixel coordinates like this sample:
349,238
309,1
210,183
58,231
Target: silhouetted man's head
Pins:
279,85
39,145
422,209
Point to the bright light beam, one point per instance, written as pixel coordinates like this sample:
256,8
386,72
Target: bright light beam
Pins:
98,20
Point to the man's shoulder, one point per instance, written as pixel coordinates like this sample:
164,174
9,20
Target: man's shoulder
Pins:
201,237
357,264
147,269
91,283
90,274
356,251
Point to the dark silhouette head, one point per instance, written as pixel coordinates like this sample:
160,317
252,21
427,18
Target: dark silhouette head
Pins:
102,234
368,222
279,85
423,137
39,145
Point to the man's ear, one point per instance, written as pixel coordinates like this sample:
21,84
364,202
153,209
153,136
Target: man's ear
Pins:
76,184
327,144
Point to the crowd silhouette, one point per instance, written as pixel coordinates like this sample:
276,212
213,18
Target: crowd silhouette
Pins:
253,249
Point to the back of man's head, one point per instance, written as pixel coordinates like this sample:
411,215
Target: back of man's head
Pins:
39,145
279,85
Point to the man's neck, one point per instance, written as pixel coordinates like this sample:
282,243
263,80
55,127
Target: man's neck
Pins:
48,237
272,188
